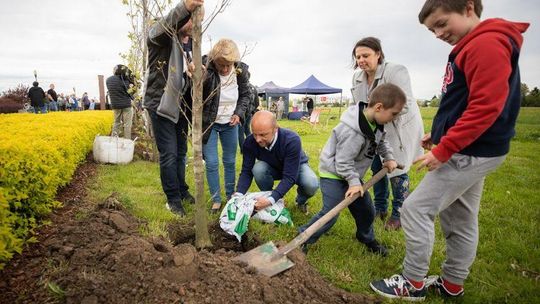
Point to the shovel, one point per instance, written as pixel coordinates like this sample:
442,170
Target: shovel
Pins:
267,259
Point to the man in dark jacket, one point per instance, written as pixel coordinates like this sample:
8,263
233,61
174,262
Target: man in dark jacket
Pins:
244,130
273,153
118,86
168,101
37,98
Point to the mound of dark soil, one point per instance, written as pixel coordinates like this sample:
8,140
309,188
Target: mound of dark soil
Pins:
95,254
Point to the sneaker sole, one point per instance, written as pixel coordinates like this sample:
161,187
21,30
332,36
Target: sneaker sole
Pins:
411,299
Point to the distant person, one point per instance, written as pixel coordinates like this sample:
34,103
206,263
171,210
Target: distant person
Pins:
92,104
167,86
85,101
37,98
272,153
472,130
227,97
245,129
348,154
280,108
71,103
121,100
310,105
404,133
53,98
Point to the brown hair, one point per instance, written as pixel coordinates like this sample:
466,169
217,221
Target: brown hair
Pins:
449,6
369,42
388,94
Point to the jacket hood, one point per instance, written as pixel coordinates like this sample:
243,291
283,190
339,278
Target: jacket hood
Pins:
511,29
351,119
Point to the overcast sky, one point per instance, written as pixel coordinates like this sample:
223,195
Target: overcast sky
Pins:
70,42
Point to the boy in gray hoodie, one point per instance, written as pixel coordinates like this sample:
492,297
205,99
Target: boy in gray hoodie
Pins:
347,156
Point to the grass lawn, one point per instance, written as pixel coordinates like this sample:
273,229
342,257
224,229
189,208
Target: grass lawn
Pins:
507,267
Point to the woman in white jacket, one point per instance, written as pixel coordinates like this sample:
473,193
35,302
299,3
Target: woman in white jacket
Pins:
404,134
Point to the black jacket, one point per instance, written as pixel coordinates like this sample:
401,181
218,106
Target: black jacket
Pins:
253,102
160,44
118,92
211,94
36,95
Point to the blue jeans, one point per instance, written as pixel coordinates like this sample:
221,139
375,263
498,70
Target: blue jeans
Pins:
228,136
333,192
42,109
307,181
53,106
244,131
400,190
171,141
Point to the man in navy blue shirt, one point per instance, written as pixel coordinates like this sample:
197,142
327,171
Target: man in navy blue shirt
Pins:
272,153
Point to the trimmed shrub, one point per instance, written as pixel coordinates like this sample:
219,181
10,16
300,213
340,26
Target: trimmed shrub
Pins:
39,154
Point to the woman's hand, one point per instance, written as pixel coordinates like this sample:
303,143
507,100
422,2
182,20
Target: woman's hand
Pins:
426,142
235,119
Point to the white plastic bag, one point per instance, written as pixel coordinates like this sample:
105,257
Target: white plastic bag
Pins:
276,213
234,218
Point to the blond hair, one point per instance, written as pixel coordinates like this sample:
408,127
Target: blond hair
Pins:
225,49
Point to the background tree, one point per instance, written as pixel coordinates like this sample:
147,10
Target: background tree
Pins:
532,99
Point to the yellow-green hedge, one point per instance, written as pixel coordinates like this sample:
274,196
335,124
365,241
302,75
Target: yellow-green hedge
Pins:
39,154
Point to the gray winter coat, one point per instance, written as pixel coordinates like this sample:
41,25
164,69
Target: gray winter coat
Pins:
404,133
349,151
164,84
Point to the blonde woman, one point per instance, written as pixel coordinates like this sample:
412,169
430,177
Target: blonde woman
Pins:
226,95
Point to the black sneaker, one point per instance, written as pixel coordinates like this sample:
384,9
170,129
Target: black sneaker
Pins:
398,287
176,208
377,248
304,248
188,198
381,214
302,208
435,283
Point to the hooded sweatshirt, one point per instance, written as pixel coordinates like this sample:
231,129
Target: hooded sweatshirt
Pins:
349,151
481,92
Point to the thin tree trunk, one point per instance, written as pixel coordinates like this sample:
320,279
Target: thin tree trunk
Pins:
202,237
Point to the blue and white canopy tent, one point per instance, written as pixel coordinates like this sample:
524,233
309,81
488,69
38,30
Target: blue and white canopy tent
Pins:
270,91
313,86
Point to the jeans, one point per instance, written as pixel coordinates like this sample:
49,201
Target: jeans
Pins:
307,181
244,131
42,109
53,106
400,190
171,141
123,118
228,136
333,192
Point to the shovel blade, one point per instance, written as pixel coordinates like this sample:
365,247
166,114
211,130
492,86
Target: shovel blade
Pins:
263,259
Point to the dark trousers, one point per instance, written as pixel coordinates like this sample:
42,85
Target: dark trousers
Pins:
171,141
333,192
244,131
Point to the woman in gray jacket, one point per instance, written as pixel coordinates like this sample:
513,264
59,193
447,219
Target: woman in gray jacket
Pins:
404,134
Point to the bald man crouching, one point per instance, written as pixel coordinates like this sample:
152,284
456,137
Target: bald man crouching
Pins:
272,153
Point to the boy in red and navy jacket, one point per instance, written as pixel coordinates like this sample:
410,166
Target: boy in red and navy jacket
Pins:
472,132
